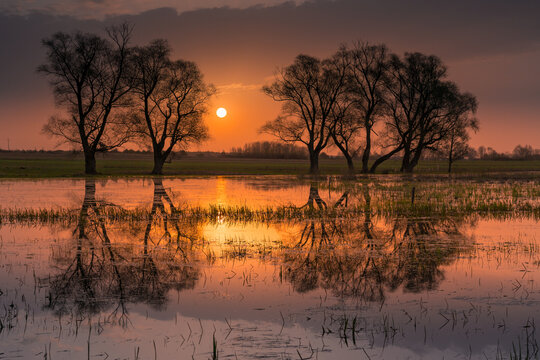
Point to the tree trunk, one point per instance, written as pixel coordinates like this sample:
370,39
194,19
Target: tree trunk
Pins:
345,152
383,159
350,163
367,150
313,162
159,160
405,162
90,162
409,168
450,158
412,164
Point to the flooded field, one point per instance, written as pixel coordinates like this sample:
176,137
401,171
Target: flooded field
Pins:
269,267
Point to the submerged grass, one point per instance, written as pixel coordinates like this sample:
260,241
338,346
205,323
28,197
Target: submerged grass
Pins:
412,198
217,213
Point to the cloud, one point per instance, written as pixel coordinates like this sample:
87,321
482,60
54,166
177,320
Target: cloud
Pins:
224,89
100,9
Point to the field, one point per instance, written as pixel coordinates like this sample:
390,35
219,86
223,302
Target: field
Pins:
49,165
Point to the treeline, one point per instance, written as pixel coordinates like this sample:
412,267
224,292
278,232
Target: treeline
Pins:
113,93
278,150
520,152
364,98
270,150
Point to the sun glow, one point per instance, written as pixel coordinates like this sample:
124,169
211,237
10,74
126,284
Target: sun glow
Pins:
221,112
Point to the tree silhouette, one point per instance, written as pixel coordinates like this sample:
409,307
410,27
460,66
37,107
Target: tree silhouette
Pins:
424,107
309,90
409,101
90,78
365,98
455,144
171,99
524,152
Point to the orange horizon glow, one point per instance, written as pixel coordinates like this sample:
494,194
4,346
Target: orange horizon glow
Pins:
235,53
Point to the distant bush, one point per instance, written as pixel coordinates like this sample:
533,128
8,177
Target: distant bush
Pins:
521,152
269,150
526,152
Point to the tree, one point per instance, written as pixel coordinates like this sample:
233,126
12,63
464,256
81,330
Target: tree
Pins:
345,133
455,144
423,107
523,152
472,153
171,99
482,152
309,90
90,78
270,150
366,73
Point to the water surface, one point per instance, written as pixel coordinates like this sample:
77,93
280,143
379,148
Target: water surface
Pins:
369,284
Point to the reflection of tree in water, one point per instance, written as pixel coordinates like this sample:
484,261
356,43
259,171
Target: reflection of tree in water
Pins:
97,273
164,263
420,248
363,258
315,200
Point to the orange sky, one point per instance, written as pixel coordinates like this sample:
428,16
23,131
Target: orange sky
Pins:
492,49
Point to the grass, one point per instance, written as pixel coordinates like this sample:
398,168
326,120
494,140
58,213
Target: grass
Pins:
387,200
51,166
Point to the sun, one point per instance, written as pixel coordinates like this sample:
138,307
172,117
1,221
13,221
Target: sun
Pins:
221,112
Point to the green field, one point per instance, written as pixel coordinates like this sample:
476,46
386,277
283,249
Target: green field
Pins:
38,165
47,168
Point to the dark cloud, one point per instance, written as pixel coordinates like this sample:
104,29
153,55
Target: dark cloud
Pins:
100,9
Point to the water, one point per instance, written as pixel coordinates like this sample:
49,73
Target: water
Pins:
371,284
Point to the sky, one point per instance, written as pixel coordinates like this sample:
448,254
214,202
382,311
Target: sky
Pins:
491,48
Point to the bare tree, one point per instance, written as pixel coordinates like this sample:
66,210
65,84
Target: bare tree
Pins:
171,100
422,106
90,78
309,90
455,145
523,152
345,132
366,93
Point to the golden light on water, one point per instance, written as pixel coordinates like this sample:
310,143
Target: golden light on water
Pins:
221,112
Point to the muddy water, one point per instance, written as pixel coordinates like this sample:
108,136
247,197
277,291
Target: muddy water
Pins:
370,286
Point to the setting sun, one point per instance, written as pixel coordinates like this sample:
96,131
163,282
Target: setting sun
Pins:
221,112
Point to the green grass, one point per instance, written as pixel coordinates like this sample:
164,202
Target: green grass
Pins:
54,167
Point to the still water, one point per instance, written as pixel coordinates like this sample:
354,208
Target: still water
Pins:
371,285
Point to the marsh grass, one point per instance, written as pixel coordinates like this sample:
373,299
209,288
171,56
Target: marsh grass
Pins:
389,199
243,214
